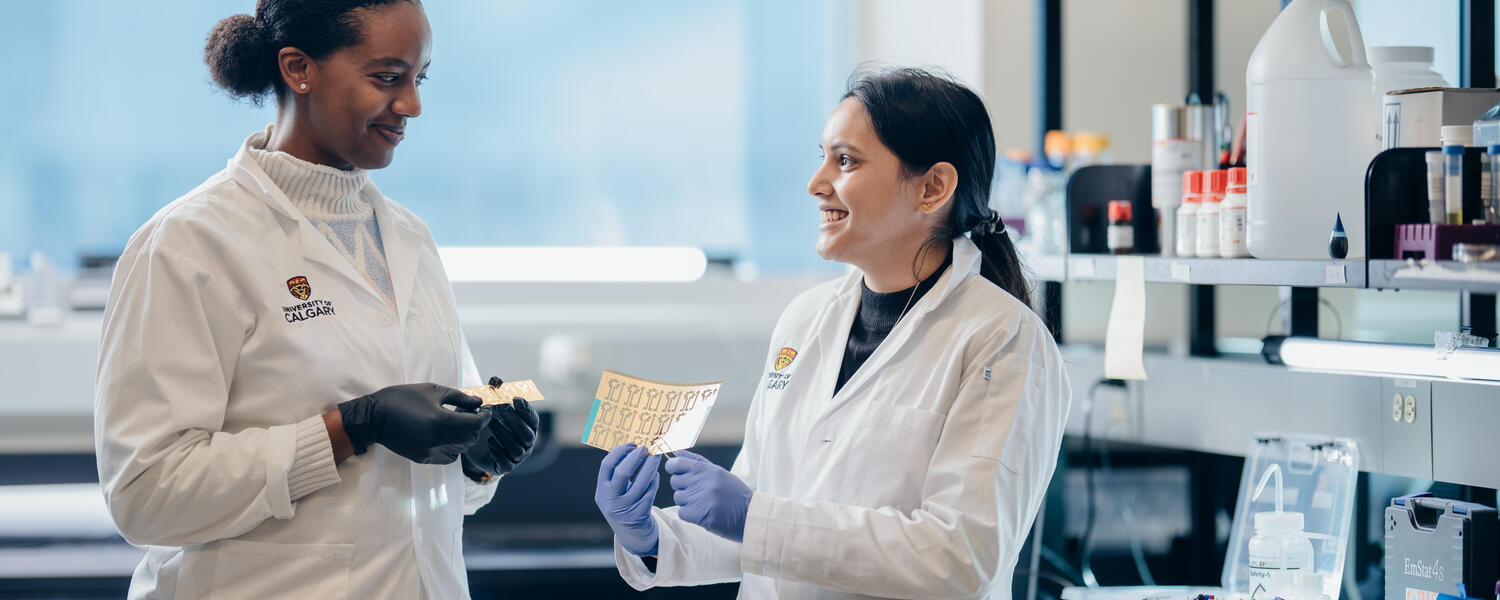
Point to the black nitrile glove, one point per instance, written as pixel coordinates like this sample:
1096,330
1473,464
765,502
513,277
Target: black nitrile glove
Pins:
507,439
412,421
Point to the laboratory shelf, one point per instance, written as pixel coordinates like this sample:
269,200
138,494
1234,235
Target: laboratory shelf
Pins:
1435,275
1226,271
1047,267
1221,405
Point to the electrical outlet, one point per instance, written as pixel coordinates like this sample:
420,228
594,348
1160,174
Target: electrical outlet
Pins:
1406,439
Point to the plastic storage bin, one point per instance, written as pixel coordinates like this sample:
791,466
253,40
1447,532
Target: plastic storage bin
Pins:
1318,474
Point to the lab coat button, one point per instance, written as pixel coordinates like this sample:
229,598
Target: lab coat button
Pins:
384,320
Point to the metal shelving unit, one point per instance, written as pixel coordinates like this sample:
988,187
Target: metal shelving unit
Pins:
1434,275
1227,271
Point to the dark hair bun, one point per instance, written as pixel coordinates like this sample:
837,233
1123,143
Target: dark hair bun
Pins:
239,57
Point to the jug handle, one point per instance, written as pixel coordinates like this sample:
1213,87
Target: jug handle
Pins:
1356,40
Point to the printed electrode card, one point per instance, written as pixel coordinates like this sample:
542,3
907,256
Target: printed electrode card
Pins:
503,393
663,417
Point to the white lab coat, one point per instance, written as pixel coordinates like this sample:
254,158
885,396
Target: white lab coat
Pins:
212,375
919,479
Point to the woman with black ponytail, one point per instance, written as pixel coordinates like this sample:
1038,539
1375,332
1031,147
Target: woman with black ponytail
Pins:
276,401
901,440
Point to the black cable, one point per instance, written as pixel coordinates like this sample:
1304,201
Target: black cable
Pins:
1088,478
1338,320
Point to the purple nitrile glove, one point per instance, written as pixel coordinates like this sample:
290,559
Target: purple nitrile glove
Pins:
626,487
709,496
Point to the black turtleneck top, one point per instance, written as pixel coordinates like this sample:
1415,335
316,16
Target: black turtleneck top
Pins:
877,315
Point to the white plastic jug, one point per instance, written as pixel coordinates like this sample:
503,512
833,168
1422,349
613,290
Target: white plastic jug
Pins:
1311,131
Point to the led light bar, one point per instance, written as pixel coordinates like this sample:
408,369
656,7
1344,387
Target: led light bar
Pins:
573,263
1381,359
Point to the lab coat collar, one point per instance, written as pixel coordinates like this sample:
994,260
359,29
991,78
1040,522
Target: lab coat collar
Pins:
966,260
401,237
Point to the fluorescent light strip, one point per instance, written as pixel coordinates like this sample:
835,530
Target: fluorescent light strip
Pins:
573,263
1388,359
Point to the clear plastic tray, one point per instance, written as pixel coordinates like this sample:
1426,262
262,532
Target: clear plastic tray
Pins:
1318,475
1142,592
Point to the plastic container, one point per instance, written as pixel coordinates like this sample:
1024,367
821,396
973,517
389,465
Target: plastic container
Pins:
1402,68
1491,200
1208,213
1232,217
1311,131
1279,551
1436,188
1187,214
44,306
1318,475
1455,139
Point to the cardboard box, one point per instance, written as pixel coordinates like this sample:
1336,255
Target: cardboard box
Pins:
1413,118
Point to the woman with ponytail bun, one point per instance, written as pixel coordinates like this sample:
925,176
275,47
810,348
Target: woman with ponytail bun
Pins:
278,410
910,413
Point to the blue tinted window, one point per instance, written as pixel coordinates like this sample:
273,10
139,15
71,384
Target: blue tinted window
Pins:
544,123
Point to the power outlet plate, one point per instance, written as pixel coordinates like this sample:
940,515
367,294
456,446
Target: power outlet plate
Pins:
1406,427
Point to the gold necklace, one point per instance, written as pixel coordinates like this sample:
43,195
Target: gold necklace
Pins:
908,304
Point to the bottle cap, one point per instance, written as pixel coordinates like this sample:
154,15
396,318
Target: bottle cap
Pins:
1457,135
1057,142
1192,182
1237,180
1278,521
1217,180
1119,210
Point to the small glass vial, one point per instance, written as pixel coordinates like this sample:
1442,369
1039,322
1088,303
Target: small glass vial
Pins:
1454,141
1232,217
1187,214
1436,188
1120,237
1208,214
1491,185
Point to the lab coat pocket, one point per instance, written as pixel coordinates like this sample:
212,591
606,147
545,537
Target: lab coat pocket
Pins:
899,441
432,350
261,570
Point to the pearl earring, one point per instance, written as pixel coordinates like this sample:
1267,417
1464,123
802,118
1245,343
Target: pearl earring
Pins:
303,86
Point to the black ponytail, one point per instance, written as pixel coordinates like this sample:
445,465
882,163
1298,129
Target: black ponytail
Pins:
926,119
241,50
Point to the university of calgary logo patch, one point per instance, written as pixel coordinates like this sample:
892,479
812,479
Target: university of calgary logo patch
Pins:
785,358
299,287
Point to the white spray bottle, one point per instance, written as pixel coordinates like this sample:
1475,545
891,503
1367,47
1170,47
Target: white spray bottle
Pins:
1279,550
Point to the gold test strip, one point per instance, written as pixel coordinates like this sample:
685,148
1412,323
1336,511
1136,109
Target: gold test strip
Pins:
502,394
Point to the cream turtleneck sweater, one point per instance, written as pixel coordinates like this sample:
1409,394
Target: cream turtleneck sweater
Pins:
331,201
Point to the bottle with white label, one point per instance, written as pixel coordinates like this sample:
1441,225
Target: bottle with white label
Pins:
1280,550
1208,213
1187,214
1232,217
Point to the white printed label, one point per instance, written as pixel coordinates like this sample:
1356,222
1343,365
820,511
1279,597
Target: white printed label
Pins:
1119,236
1169,159
1334,274
1181,272
1084,267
